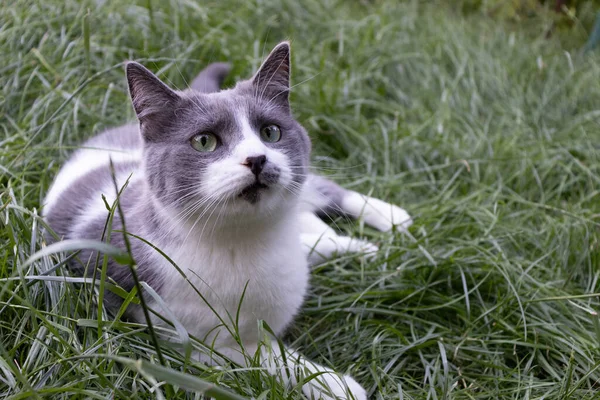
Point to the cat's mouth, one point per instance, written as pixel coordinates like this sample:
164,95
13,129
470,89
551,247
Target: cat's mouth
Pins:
251,193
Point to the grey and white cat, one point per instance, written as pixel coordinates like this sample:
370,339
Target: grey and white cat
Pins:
219,182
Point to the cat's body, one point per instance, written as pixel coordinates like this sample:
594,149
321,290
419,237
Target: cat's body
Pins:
234,209
222,260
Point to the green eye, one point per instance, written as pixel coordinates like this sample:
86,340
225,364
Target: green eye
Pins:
204,142
270,133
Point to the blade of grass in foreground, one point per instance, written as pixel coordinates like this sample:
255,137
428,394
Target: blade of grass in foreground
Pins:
79,244
180,379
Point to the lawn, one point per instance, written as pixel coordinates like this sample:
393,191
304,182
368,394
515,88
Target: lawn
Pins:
486,131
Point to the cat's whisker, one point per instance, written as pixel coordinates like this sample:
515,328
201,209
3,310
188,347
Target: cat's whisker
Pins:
190,211
199,106
205,203
197,205
324,169
289,90
214,199
221,212
334,176
201,235
191,191
183,77
298,192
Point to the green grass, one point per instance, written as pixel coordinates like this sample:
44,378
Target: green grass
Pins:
487,133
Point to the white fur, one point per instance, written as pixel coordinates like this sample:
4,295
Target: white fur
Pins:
294,367
263,259
310,223
321,242
251,145
311,199
82,162
268,258
96,208
268,262
377,213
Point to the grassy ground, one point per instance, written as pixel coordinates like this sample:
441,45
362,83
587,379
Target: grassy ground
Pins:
488,135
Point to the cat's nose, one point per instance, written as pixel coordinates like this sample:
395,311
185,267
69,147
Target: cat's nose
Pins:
256,163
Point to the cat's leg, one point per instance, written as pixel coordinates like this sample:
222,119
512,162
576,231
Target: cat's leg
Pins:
320,242
293,368
326,197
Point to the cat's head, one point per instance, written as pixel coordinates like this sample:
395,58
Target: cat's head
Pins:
237,152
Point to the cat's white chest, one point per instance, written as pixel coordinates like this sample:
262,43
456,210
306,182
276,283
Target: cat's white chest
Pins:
260,276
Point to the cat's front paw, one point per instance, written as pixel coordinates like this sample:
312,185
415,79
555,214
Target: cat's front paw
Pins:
331,387
396,216
320,248
347,244
355,391
376,213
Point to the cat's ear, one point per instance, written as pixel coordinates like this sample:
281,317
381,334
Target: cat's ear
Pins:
273,76
149,94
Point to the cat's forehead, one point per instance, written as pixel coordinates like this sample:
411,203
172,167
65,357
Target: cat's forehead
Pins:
230,104
210,106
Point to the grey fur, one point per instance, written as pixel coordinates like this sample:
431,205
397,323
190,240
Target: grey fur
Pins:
149,95
273,76
211,78
140,220
331,192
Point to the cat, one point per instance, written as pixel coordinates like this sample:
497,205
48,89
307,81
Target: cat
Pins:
219,181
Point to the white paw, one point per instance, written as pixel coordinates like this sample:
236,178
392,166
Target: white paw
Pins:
365,249
330,386
379,214
354,389
397,217
320,248
347,244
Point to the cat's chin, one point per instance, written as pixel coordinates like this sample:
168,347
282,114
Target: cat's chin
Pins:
259,200
252,193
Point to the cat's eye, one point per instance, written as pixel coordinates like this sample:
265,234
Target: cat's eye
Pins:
270,133
204,142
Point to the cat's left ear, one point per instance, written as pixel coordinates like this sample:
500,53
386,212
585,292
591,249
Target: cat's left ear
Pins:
273,76
149,95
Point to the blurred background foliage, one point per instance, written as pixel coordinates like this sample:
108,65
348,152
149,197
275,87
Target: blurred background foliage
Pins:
576,18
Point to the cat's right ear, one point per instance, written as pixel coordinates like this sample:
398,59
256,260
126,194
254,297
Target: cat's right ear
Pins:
149,94
273,76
